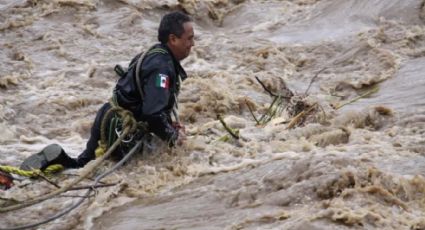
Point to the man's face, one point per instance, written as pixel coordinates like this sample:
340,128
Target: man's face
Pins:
182,45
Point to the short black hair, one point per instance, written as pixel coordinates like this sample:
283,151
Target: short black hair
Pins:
172,23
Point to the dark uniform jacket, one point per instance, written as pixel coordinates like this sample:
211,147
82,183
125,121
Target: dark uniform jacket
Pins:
159,74
159,77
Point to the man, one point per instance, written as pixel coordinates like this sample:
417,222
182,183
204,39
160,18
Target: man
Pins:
149,91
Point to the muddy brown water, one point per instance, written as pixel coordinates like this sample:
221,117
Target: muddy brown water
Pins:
359,167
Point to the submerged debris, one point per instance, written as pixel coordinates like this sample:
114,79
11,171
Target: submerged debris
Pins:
293,108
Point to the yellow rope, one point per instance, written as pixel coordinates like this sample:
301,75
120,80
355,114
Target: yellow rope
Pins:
20,172
53,169
100,150
31,173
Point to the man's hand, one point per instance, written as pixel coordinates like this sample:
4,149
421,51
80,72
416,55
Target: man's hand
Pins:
179,127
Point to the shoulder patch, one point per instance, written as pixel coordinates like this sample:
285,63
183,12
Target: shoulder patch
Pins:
162,81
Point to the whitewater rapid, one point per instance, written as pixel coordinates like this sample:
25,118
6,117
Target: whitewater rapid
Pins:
361,166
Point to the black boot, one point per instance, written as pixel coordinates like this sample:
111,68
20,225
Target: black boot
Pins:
51,154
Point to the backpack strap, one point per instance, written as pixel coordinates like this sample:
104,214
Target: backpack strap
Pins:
139,84
151,50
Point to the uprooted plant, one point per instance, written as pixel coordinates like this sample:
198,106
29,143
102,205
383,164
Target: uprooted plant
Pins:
295,107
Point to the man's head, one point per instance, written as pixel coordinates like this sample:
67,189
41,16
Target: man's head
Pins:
176,31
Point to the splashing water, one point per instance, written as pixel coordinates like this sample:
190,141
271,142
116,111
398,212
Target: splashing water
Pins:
360,166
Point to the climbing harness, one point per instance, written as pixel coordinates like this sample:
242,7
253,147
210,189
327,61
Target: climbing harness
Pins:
118,118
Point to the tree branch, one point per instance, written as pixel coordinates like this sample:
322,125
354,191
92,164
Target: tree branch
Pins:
228,129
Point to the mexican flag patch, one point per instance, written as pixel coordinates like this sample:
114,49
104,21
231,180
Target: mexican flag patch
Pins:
162,81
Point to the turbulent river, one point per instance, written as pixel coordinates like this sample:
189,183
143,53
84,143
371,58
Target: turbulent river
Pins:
354,160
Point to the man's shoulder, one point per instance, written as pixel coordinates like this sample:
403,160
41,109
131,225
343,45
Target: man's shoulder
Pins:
158,56
158,59
158,50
